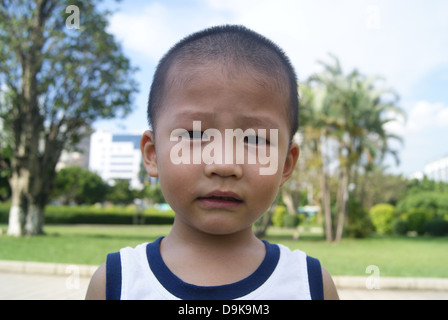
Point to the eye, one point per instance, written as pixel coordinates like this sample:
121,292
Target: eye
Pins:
197,135
255,140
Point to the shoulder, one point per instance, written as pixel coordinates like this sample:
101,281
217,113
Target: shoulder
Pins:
316,273
330,292
97,286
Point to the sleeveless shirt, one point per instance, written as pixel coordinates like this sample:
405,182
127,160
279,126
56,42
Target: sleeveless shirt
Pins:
140,273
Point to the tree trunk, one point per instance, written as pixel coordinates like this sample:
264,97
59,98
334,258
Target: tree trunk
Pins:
291,206
16,221
31,184
34,224
26,215
342,203
18,211
326,207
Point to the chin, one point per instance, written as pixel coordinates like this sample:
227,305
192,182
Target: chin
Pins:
221,228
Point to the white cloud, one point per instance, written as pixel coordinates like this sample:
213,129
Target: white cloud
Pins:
400,40
143,32
423,117
152,29
426,116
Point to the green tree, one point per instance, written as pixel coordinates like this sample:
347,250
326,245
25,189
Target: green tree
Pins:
121,192
153,193
345,124
54,83
80,186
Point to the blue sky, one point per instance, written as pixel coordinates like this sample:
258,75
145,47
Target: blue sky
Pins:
404,41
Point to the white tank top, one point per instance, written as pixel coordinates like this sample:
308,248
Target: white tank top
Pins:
140,273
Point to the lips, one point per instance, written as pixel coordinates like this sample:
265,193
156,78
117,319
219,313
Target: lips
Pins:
220,199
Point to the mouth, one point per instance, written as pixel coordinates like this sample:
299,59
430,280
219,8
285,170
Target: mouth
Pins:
220,199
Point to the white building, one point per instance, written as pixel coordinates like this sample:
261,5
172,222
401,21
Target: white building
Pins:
115,156
438,170
78,158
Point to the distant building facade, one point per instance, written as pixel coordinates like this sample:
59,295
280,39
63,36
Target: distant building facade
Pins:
116,156
78,158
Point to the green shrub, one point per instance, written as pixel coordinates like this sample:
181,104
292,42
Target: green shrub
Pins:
432,202
277,217
416,219
4,212
400,226
359,224
291,220
437,227
383,216
96,215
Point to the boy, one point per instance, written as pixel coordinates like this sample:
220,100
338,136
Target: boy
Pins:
228,81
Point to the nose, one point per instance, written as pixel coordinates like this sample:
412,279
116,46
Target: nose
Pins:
222,157
224,170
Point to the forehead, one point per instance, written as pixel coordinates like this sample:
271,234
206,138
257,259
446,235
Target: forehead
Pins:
221,88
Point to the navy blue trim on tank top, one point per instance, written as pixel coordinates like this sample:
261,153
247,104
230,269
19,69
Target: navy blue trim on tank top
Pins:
113,276
315,278
187,291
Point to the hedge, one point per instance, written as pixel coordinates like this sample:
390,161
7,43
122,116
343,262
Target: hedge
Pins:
383,216
95,215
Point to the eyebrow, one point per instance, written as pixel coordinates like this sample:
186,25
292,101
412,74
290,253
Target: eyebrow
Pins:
262,122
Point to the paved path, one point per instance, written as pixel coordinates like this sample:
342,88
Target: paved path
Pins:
19,286
22,286
51,281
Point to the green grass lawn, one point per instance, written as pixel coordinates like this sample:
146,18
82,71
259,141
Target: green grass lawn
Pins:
394,256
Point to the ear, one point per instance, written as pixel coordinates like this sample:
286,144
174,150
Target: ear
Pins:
290,162
148,149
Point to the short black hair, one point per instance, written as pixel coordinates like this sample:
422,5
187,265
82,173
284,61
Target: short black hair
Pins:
237,46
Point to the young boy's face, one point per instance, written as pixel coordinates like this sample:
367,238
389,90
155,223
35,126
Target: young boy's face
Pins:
207,183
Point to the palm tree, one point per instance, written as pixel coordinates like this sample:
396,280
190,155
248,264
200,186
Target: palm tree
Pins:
349,113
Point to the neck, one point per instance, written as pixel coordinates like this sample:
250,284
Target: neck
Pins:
193,240
207,259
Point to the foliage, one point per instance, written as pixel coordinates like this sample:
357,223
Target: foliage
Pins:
277,217
417,218
75,185
437,227
378,186
423,185
153,193
400,226
120,192
359,224
97,215
292,220
54,83
344,118
383,216
433,202
425,211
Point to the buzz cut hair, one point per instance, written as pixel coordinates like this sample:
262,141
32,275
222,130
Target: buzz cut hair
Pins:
234,46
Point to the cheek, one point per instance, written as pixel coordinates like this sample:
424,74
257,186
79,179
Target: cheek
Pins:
172,178
265,191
